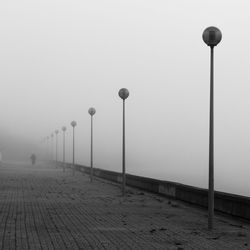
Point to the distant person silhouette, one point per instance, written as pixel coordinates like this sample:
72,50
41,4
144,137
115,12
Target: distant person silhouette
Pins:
33,159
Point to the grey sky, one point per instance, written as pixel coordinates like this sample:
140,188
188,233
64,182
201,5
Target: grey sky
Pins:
58,58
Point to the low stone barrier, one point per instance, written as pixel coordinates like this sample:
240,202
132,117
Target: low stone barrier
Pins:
224,202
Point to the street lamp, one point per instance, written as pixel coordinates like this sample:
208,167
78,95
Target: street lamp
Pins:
91,111
123,93
48,148
63,129
211,36
56,132
73,124
52,145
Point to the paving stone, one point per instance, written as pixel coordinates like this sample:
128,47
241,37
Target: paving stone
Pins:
42,207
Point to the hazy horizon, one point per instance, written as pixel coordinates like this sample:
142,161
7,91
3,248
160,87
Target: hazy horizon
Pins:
58,58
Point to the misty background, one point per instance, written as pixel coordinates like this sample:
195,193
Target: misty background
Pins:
58,58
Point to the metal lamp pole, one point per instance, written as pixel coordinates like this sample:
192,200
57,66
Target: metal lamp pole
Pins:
211,36
56,132
48,148
123,93
73,124
63,129
91,111
52,145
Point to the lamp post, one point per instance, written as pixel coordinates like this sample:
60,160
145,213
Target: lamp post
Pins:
52,145
63,129
211,36
91,111
47,148
73,124
123,93
56,133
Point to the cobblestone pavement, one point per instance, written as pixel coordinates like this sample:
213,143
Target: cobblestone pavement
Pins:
43,208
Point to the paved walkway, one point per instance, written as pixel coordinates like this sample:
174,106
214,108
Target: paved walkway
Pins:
43,208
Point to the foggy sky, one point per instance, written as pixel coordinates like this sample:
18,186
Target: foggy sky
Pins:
58,58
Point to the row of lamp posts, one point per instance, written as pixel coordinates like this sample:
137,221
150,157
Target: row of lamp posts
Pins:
123,94
212,37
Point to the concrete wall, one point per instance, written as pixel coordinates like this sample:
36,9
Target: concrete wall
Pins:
227,203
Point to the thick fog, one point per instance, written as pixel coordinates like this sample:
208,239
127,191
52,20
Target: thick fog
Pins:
58,58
